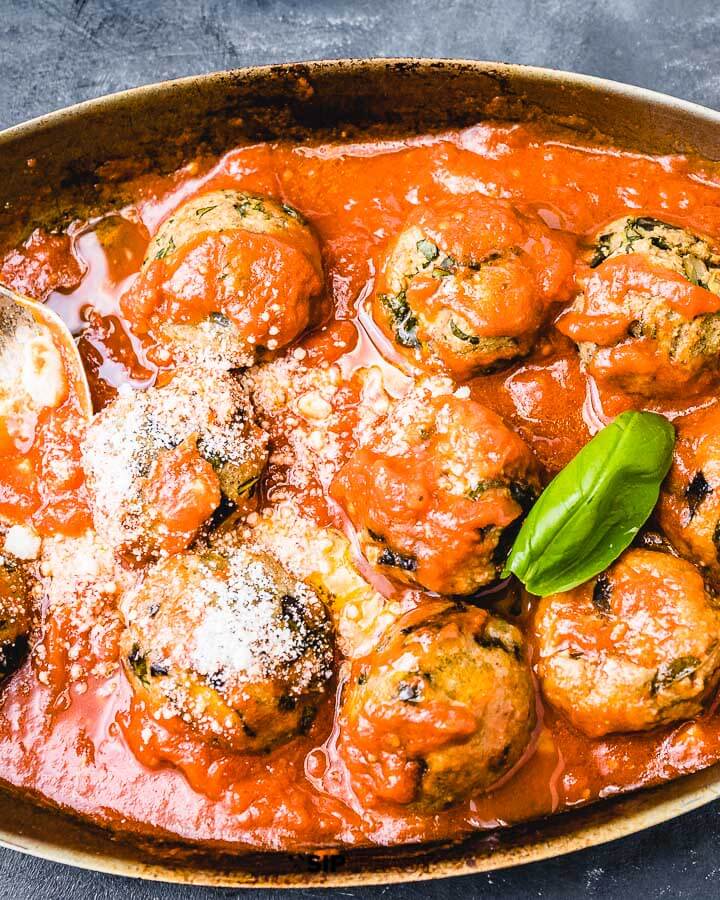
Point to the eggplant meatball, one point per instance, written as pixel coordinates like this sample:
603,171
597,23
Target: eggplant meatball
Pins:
227,276
648,317
466,284
438,492
230,642
689,509
442,709
15,612
158,463
636,647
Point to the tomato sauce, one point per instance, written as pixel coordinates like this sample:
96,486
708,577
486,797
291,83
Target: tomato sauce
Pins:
87,745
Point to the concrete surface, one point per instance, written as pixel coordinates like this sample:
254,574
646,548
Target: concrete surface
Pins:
56,52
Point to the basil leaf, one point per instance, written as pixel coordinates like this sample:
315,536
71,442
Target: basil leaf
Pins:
591,510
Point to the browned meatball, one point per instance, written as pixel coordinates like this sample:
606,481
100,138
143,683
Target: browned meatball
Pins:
689,509
228,276
160,462
636,647
441,710
466,284
648,317
438,492
230,642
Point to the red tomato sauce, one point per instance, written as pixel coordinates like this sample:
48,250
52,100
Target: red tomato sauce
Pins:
94,750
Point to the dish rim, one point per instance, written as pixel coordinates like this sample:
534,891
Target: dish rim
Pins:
677,796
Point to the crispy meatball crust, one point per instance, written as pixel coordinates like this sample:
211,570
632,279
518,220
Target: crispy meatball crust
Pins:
15,612
159,462
648,317
228,276
689,508
466,284
230,642
443,709
438,492
636,647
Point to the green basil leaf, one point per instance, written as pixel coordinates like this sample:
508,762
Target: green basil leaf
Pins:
594,507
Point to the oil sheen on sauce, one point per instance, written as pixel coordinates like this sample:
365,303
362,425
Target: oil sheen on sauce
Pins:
81,743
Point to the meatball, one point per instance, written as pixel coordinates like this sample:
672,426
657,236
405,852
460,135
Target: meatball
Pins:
438,492
466,284
636,647
15,612
227,276
443,709
648,317
160,462
689,509
230,642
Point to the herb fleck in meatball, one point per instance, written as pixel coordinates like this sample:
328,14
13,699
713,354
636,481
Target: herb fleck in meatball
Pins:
227,276
159,462
230,642
636,647
15,612
466,284
438,492
441,710
689,509
648,317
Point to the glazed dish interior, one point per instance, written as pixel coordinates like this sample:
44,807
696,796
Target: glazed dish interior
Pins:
257,499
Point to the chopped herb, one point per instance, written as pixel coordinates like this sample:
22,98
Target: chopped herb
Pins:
294,214
168,248
461,336
251,204
696,270
680,668
204,210
498,641
390,558
245,489
138,663
428,249
648,222
602,251
696,492
659,242
601,595
404,322
485,485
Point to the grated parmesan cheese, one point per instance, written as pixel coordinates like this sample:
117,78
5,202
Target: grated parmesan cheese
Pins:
23,542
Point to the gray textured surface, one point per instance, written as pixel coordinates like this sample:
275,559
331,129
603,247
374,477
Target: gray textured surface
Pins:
56,52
